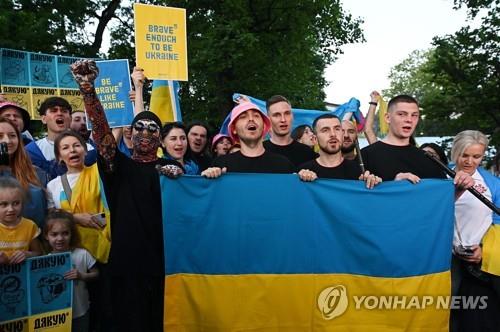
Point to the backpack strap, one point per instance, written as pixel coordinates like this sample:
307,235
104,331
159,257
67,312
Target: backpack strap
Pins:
66,187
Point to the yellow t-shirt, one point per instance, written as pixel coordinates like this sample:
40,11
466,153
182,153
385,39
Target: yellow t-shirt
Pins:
17,237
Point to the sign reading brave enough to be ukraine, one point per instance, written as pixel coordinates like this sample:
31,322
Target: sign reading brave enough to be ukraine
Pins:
271,253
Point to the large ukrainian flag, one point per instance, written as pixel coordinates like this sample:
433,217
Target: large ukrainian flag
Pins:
271,253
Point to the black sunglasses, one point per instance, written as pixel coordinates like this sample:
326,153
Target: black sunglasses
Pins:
151,127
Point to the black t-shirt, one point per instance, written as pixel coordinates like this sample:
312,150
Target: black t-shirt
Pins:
387,161
201,159
134,199
266,163
348,170
296,152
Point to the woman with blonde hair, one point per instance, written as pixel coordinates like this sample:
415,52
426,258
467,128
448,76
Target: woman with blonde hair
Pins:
476,241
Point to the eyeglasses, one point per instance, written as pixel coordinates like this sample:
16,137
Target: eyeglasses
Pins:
151,126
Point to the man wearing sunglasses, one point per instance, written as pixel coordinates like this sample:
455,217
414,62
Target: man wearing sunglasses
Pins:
132,186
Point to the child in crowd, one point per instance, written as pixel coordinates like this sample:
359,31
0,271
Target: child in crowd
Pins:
18,235
60,232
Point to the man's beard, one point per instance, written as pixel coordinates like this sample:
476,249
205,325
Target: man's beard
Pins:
328,150
348,149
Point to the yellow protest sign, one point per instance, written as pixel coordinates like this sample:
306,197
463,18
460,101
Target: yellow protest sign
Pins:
20,95
38,97
74,98
160,42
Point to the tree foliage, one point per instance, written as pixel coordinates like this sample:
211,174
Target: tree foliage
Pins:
69,27
258,47
458,80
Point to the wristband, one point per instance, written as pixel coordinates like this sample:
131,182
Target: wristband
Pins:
373,103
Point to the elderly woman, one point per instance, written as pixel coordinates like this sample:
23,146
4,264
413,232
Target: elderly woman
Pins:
473,220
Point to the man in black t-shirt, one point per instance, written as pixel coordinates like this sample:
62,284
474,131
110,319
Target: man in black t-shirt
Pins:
330,163
280,113
395,158
248,126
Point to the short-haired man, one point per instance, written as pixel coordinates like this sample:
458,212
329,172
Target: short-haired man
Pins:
19,117
331,163
198,135
248,126
79,124
350,135
394,158
280,113
55,113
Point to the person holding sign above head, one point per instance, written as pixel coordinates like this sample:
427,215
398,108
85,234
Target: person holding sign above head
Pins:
56,115
248,126
136,259
331,163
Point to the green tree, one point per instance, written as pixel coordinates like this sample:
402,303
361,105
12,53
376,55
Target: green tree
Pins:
412,77
458,80
69,27
259,48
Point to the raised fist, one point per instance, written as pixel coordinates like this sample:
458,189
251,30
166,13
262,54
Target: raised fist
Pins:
85,72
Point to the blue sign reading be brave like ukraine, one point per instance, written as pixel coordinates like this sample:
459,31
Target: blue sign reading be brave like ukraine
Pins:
112,86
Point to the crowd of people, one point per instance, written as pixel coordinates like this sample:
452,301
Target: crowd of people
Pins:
98,195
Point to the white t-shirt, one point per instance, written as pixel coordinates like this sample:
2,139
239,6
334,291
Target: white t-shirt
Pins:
55,189
83,261
47,147
472,217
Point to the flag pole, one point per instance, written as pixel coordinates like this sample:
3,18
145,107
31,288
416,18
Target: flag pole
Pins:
360,158
472,190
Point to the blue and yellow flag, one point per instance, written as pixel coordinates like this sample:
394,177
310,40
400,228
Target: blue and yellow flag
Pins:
165,100
305,116
301,258
88,197
382,111
491,240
